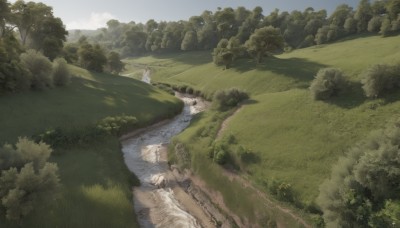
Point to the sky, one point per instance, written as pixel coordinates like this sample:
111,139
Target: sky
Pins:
93,14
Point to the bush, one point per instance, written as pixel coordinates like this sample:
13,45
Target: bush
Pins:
117,125
327,83
229,98
61,73
40,69
26,178
220,157
379,79
362,180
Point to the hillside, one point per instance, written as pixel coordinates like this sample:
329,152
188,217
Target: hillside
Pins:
95,183
295,139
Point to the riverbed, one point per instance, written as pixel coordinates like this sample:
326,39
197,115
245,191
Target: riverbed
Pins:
155,201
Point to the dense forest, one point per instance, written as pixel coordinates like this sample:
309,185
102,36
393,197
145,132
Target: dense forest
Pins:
299,28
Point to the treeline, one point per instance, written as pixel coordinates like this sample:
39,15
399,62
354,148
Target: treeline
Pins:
32,52
299,28
31,40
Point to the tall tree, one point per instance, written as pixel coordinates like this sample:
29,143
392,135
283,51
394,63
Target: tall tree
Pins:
264,40
36,22
189,42
114,63
363,15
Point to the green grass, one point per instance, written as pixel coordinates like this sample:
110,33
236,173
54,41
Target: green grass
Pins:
296,139
96,184
89,98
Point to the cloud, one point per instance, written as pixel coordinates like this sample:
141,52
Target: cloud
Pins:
96,20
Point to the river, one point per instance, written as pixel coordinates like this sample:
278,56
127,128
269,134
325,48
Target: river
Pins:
145,155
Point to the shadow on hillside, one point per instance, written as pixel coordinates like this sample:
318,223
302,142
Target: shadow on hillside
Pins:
301,69
190,58
354,37
111,93
352,97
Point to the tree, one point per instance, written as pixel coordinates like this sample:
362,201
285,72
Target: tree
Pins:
13,76
386,27
189,42
26,178
114,63
365,183
374,25
350,26
363,15
222,55
92,57
5,14
393,9
49,37
264,40
135,39
340,15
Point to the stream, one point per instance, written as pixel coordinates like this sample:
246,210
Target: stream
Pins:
145,155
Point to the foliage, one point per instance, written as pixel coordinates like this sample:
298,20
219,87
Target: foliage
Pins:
92,57
361,181
40,69
380,79
117,125
26,177
37,24
13,76
327,83
114,63
189,41
61,72
263,41
222,55
229,98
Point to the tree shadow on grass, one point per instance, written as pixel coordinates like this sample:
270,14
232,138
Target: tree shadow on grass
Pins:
298,68
352,96
190,58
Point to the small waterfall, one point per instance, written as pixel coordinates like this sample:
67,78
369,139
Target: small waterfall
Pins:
146,76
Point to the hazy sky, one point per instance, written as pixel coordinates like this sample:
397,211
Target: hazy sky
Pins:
92,14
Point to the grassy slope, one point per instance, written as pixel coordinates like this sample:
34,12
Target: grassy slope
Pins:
96,185
296,138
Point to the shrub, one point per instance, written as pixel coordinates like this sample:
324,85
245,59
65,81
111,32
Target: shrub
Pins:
220,156
61,73
117,125
327,83
26,178
362,180
379,79
229,98
40,69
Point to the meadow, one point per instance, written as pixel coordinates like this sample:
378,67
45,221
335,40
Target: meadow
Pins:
296,140
95,183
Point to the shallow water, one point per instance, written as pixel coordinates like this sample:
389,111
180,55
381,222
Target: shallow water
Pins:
155,204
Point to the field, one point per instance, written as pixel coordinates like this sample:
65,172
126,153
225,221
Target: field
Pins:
295,139
96,185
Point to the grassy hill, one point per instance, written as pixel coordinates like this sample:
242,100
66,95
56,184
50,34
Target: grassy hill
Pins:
96,185
296,139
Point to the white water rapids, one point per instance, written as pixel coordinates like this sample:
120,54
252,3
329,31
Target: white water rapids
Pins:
144,154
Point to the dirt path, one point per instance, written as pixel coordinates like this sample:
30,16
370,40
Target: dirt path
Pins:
231,175
224,124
